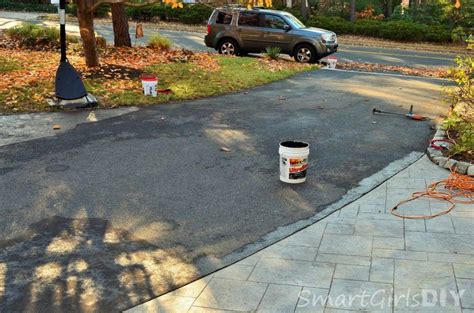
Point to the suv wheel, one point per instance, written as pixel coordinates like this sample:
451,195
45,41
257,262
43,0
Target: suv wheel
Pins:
305,53
228,47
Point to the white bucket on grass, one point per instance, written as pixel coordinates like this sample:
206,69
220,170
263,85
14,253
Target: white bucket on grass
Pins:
149,86
293,161
332,61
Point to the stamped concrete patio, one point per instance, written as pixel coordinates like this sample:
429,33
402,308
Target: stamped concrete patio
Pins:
358,258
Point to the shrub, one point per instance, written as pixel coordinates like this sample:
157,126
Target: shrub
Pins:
335,24
159,42
429,13
101,11
371,28
463,132
27,7
35,36
458,35
189,14
437,33
194,14
403,30
272,52
146,13
462,96
460,123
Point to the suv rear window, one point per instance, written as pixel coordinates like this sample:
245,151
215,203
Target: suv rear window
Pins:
223,18
249,19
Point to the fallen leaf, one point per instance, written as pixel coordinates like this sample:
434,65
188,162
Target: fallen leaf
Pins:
91,117
56,126
225,149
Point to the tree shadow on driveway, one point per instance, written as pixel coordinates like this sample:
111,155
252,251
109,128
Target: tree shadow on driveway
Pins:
84,265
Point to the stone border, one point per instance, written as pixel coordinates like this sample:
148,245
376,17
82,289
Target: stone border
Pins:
437,157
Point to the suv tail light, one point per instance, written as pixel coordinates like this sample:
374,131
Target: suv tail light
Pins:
208,28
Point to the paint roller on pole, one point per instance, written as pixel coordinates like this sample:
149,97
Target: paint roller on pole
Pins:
70,90
410,114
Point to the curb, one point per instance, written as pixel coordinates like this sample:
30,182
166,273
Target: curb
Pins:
436,156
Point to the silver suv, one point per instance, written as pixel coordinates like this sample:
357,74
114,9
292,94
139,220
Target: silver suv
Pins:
237,31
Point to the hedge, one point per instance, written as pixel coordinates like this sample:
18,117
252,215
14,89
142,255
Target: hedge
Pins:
394,30
71,9
101,11
190,14
27,7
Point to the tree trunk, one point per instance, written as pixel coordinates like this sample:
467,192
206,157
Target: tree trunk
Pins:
289,3
353,11
388,9
86,28
304,9
120,23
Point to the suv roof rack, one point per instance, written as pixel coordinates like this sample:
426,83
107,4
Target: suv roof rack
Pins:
232,6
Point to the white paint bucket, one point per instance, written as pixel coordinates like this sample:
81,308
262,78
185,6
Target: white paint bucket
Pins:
332,61
149,84
293,161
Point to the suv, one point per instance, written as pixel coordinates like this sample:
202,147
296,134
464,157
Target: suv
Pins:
237,31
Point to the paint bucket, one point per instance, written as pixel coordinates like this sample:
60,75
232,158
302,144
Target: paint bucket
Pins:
149,83
332,61
293,161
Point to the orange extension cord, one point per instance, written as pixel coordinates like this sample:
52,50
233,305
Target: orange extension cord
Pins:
456,185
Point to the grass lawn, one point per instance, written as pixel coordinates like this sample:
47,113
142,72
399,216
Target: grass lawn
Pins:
8,65
27,77
190,81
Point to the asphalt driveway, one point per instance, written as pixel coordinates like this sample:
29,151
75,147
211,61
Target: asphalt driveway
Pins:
110,214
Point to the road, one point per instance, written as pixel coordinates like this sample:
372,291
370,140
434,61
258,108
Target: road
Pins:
129,207
194,41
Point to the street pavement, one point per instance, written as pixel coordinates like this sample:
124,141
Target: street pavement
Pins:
360,258
145,202
195,41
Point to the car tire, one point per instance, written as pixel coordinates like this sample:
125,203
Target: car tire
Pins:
305,53
228,47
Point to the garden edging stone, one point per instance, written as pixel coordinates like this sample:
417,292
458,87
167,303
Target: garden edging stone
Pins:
437,157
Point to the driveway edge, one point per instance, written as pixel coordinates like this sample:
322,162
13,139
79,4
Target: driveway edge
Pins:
364,187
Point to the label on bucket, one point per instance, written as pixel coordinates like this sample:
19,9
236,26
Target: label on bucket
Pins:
296,168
